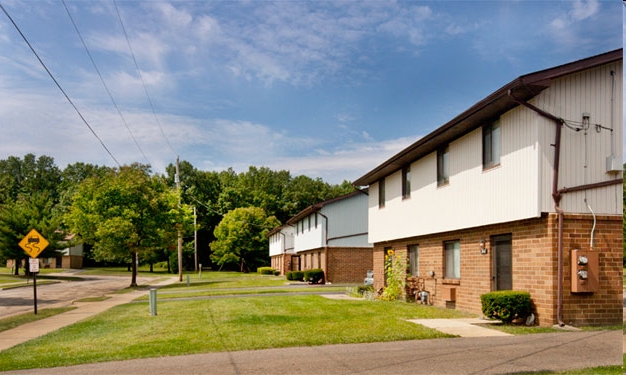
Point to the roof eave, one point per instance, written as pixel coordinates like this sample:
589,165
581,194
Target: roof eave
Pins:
524,87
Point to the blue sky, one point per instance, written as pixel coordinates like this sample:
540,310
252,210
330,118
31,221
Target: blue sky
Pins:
328,89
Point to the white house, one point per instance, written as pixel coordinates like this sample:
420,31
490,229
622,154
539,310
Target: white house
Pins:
510,193
281,248
331,235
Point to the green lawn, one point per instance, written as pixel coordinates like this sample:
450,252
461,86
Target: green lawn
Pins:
199,326
244,323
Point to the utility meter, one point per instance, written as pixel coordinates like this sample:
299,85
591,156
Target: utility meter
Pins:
585,271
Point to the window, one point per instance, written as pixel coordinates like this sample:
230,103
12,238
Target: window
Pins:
381,193
443,166
406,182
452,250
491,144
414,266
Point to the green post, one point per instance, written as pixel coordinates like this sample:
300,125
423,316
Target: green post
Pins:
187,280
153,302
200,270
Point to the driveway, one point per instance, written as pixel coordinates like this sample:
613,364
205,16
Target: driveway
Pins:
20,300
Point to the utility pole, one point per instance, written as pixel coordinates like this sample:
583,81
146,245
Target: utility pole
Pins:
180,237
195,239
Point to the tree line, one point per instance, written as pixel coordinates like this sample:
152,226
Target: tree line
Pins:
130,214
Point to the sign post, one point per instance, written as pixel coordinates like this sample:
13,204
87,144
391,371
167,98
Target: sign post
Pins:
33,244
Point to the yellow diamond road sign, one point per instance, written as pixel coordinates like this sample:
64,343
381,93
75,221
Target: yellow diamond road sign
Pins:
33,243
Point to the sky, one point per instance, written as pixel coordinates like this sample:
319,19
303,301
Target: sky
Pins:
327,89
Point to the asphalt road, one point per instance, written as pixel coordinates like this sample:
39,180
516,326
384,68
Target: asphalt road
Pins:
21,300
489,355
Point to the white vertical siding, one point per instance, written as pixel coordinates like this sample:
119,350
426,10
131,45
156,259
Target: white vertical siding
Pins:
474,196
281,242
346,220
521,186
307,239
569,97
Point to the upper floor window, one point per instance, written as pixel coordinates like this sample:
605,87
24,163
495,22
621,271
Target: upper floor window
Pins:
381,193
443,166
452,259
491,144
406,182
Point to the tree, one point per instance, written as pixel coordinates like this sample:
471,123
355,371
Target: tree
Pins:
27,176
17,218
127,213
241,238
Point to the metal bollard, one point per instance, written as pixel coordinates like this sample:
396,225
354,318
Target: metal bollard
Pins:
187,280
200,270
153,302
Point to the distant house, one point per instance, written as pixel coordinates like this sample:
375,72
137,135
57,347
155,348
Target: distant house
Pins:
521,191
330,235
281,248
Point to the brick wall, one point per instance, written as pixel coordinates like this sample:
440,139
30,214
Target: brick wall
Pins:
534,262
348,264
340,264
281,263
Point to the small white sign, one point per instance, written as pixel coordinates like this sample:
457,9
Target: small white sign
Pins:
34,264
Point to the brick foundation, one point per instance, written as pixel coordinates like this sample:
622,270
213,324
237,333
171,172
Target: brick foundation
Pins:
534,267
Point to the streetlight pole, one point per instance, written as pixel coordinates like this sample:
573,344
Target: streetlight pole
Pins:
180,237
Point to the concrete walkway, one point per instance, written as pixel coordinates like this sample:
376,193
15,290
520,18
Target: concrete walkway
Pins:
462,327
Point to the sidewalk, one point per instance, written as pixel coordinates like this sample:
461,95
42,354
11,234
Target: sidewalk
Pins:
84,310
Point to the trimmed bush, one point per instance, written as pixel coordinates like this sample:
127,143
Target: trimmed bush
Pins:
506,305
314,276
265,270
295,276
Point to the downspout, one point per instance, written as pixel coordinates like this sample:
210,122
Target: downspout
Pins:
556,197
326,249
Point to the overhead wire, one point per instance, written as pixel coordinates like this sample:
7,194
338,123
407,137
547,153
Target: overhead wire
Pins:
104,83
59,85
119,16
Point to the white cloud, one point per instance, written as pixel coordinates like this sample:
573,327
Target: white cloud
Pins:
564,28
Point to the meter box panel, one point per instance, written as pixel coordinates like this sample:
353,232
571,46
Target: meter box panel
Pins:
585,271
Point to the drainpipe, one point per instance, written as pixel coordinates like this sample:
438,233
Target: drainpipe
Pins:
326,249
556,197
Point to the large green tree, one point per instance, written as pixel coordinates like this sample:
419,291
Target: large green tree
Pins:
241,238
127,213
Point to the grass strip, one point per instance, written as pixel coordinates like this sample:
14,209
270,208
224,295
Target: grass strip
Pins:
17,320
234,292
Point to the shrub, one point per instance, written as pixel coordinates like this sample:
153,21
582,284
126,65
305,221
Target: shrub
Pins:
506,305
395,272
265,270
295,275
314,276
362,289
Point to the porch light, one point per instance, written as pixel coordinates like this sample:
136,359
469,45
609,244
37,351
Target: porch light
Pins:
483,247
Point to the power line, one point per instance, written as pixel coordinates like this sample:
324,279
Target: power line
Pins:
103,82
58,85
141,78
